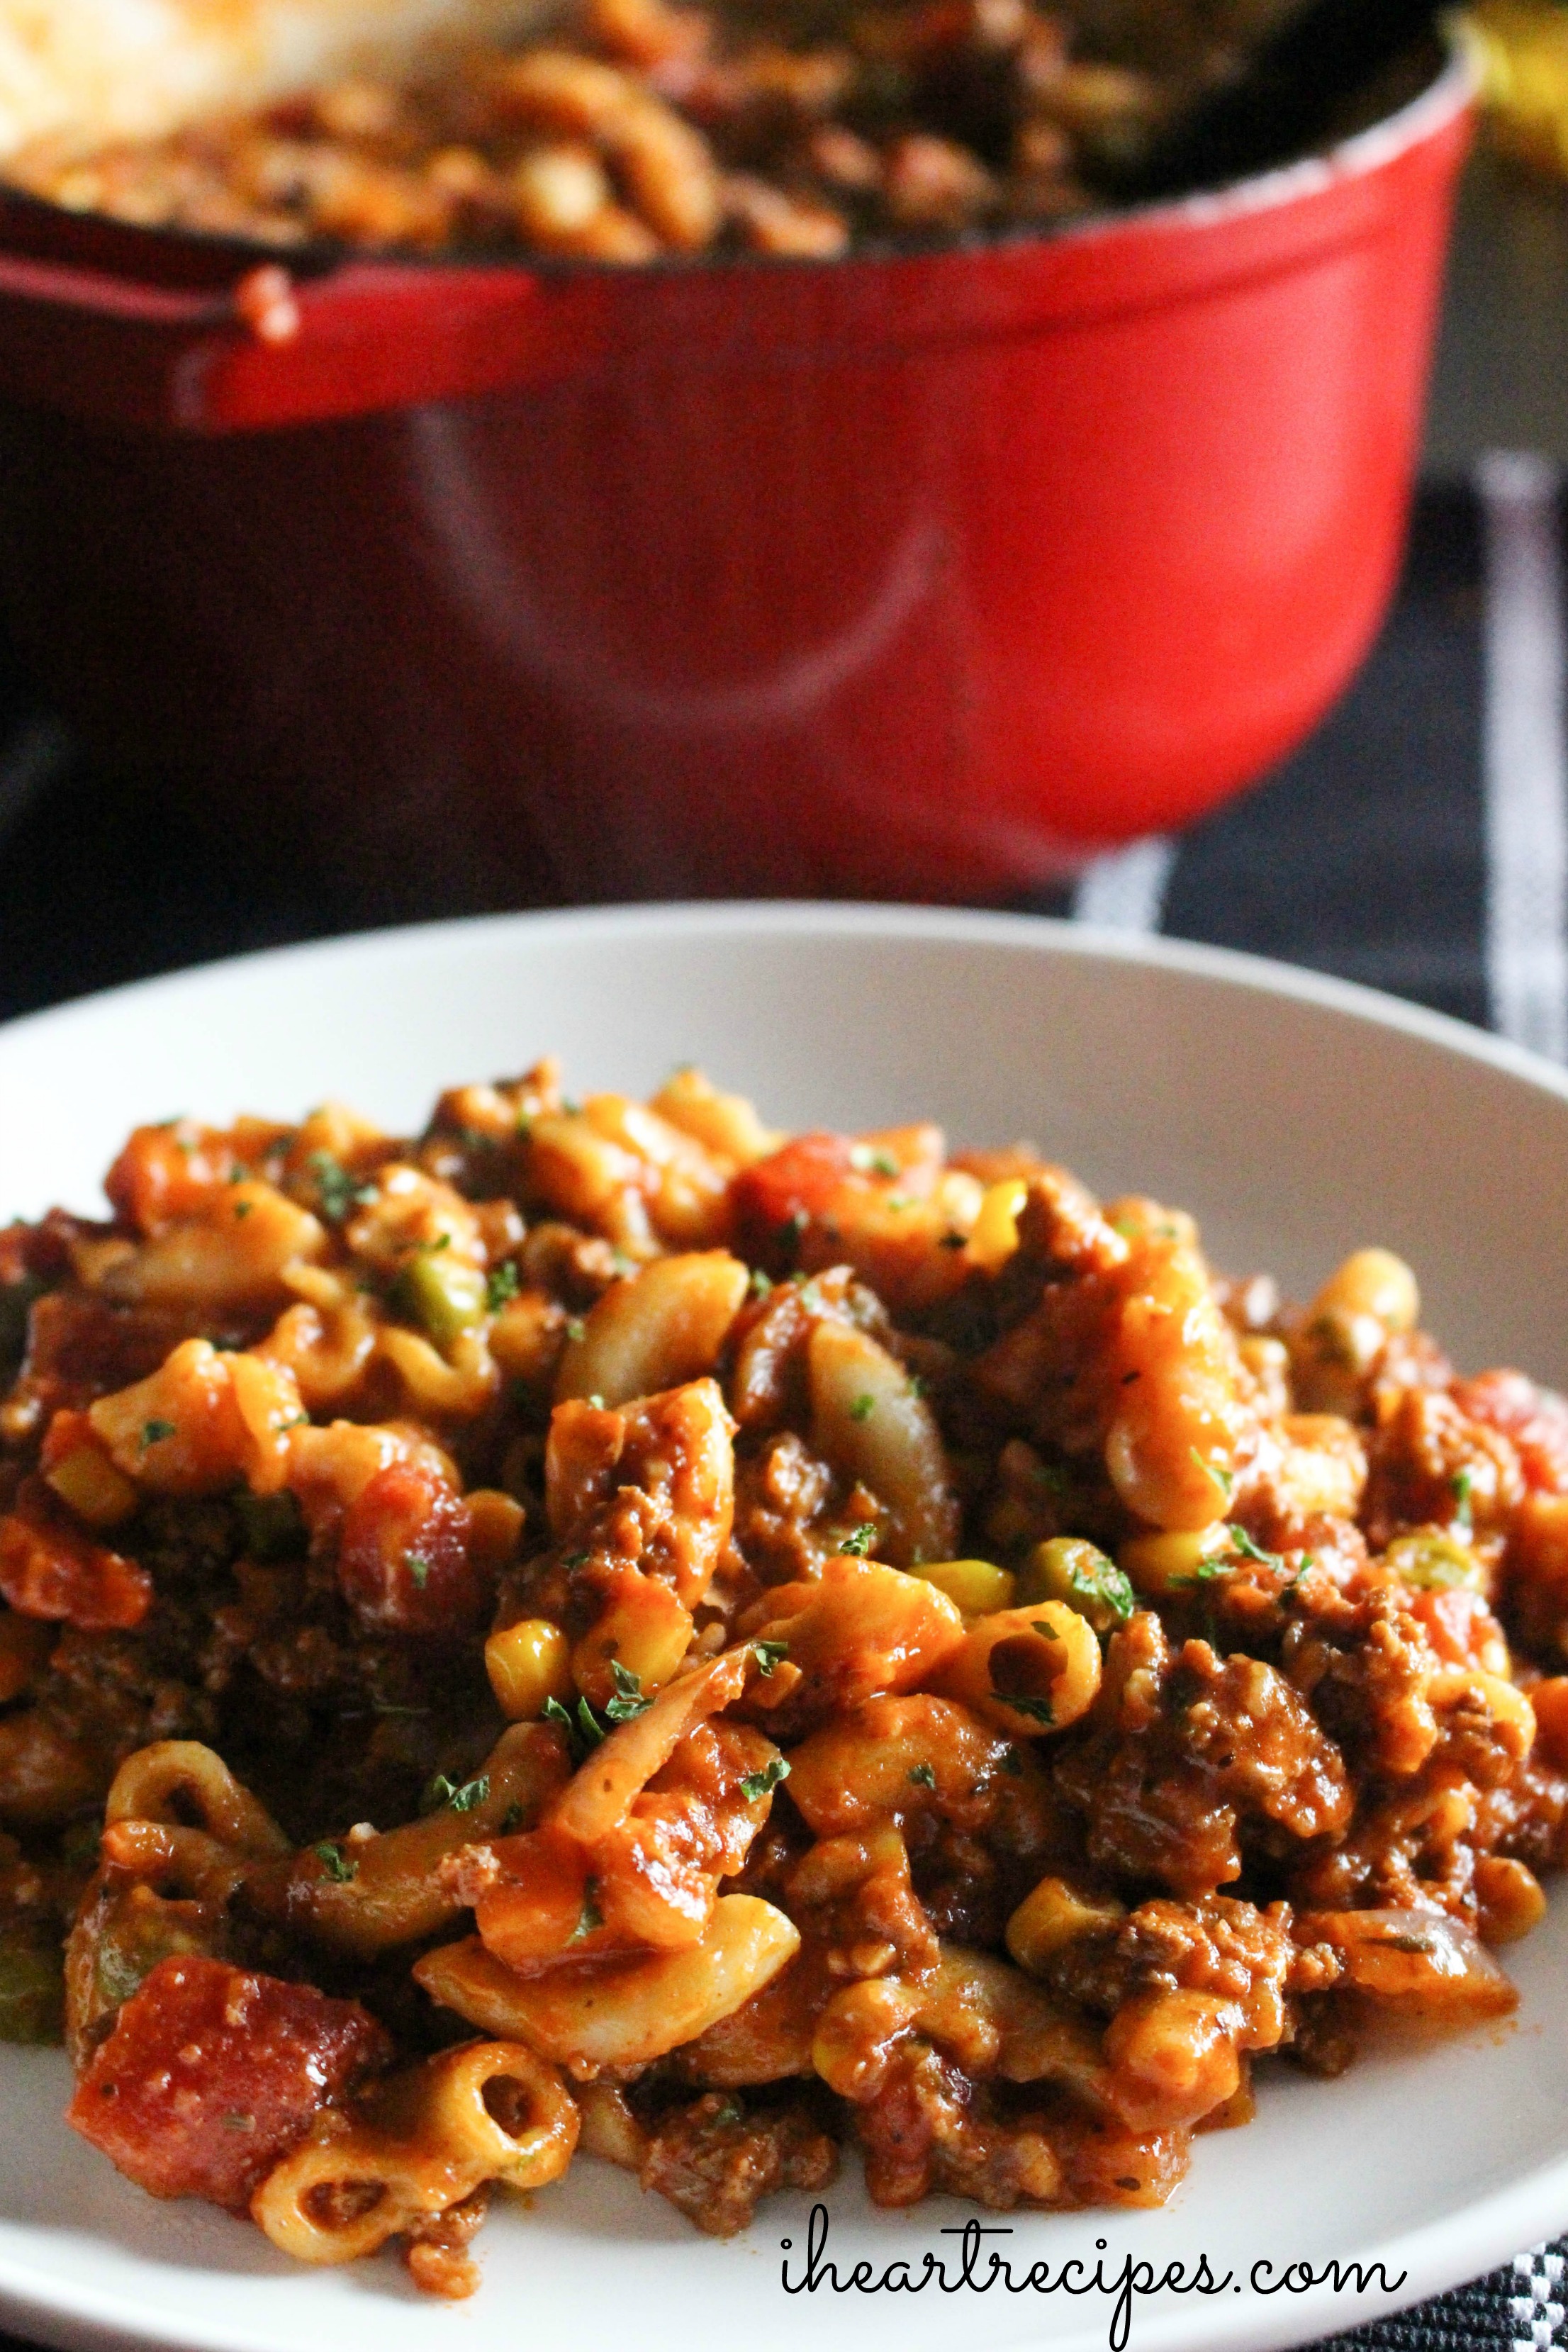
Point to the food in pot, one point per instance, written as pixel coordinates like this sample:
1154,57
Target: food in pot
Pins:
636,128
604,1627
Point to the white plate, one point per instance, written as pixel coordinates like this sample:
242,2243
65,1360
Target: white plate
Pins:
1298,1118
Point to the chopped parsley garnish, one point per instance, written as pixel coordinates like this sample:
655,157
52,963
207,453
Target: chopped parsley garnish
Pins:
1104,1587
553,1712
501,1285
760,1284
1038,1710
767,1655
789,1234
153,1433
1463,1483
1047,1632
1242,1542
1288,1591
243,1208
954,1240
576,1328
336,1189
335,1864
586,1730
628,1700
457,1799
763,1783
729,2111
419,1568
867,1162
858,1543
1223,1478
863,1407
577,1560
923,1775
589,1917
1204,1573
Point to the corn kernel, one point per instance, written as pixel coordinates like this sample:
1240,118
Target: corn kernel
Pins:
995,1232
645,1632
495,1524
1161,1563
974,1584
1511,1898
528,1663
1055,1914
1372,1282
87,1480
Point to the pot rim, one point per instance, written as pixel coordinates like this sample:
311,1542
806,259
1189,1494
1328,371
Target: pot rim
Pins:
1447,95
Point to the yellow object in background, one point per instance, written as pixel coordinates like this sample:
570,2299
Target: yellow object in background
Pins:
1521,50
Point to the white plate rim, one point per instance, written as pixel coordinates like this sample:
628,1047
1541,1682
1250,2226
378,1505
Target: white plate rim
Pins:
1049,934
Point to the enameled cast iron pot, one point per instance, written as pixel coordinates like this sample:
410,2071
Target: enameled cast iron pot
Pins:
918,575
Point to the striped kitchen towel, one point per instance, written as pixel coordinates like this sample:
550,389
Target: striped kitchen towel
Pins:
1419,842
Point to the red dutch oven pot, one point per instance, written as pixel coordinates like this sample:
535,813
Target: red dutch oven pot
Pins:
922,575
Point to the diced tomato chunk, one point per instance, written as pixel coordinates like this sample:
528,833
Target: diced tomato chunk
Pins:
80,1348
212,2073
1536,1419
404,1561
167,1171
774,1200
49,1568
41,1253
1460,1625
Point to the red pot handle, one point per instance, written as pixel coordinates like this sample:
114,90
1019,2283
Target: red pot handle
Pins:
368,336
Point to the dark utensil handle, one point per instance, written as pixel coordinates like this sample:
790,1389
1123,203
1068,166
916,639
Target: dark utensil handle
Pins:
1284,101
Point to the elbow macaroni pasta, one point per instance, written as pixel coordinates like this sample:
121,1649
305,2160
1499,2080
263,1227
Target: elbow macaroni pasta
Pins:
790,1641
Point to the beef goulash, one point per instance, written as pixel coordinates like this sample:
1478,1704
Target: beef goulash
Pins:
607,130
601,1626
